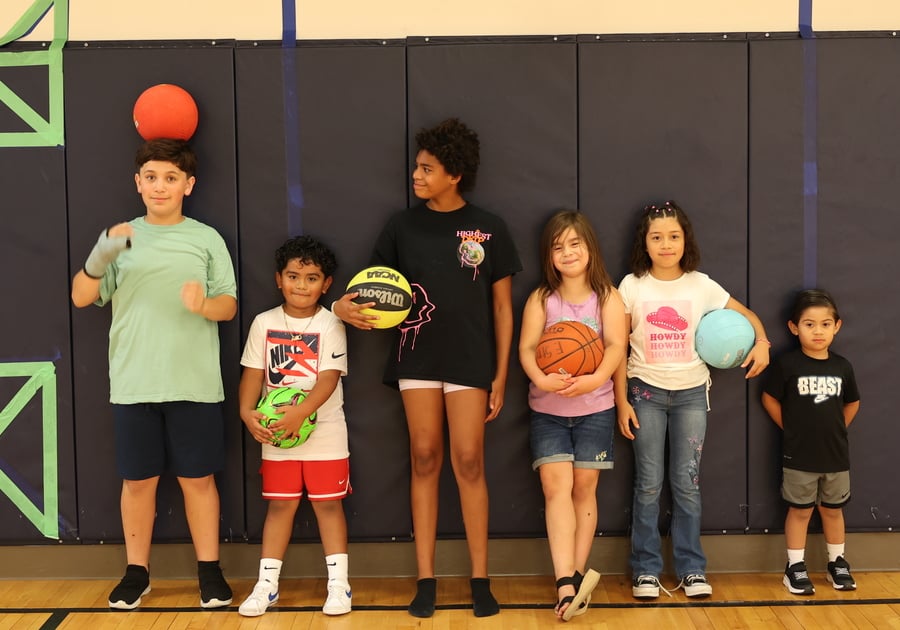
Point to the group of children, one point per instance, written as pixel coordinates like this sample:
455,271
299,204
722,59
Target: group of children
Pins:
170,280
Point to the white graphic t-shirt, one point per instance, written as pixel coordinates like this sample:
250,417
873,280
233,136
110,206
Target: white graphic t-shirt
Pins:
293,352
664,317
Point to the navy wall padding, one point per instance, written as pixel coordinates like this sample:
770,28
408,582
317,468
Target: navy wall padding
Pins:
34,321
776,244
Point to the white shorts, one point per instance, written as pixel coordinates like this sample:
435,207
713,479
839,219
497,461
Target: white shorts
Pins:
412,383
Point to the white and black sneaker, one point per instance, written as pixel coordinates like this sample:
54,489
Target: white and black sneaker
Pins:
214,590
645,587
839,575
695,585
134,585
796,579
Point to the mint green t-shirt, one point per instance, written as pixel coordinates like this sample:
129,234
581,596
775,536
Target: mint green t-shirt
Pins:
158,350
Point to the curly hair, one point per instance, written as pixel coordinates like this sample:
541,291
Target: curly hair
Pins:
640,259
178,152
309,250
456,147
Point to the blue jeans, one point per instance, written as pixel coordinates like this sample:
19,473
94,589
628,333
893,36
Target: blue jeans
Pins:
683,414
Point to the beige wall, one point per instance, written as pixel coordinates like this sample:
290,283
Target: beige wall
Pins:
341,19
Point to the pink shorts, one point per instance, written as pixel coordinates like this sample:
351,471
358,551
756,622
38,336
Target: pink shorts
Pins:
323,480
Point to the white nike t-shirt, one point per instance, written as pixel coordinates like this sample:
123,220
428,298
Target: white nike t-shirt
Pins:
293,352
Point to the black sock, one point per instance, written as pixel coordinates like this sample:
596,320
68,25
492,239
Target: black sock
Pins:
422,604
483,601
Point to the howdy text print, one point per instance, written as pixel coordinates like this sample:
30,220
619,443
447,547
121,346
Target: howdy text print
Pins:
667,336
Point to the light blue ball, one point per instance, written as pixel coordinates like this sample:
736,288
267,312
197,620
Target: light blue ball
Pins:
723,338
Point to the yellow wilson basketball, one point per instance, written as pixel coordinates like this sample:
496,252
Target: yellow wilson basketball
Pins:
388,289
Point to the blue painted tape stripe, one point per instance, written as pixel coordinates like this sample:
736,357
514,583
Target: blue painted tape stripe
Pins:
806,31
810,148
291,118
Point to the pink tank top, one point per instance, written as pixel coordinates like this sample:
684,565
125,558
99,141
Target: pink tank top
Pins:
601,398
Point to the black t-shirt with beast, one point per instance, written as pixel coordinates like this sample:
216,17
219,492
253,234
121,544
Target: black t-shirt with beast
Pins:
812,393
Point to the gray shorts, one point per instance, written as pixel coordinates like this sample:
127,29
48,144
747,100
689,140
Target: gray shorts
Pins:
803,489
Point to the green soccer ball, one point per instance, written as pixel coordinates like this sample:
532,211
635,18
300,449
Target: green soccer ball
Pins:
271,407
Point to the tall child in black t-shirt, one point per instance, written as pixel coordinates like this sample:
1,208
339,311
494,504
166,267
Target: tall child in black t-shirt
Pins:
811,394
451,356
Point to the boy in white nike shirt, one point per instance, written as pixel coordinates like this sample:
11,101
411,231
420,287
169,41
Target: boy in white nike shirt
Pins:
301,345
811,394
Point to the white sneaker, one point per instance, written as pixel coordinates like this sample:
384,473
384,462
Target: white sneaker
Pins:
264,595
338,601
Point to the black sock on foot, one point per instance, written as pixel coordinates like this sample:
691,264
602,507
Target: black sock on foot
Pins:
483,601
422,604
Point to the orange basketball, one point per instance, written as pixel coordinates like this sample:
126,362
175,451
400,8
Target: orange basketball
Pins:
569,348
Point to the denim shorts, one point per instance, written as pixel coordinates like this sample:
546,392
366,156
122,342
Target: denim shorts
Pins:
585,440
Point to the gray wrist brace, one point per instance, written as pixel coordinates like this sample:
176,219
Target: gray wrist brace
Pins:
104,253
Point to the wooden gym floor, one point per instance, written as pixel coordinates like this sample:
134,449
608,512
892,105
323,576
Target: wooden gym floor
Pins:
739,600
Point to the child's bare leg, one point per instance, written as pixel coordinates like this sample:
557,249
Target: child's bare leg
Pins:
138,505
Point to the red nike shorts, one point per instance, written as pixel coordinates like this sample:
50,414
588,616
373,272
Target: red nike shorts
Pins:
286,480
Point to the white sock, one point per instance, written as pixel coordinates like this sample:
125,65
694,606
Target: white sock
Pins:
270,570
834,551
337,564
795,555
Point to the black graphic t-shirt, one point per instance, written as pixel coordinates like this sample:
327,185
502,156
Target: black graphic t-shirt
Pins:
451,260
813,393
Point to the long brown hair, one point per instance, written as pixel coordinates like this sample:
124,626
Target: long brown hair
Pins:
640,259
597,275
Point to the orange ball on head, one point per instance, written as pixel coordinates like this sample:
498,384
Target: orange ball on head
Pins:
165,111
569,347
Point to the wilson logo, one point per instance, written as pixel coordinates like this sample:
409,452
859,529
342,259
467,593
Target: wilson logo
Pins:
384,296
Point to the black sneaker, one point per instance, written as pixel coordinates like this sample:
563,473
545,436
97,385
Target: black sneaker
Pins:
127,595
696,585
214,590
839,575
796,578
645,587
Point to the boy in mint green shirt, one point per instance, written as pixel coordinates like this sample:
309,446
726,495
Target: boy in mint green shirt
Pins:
170,280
